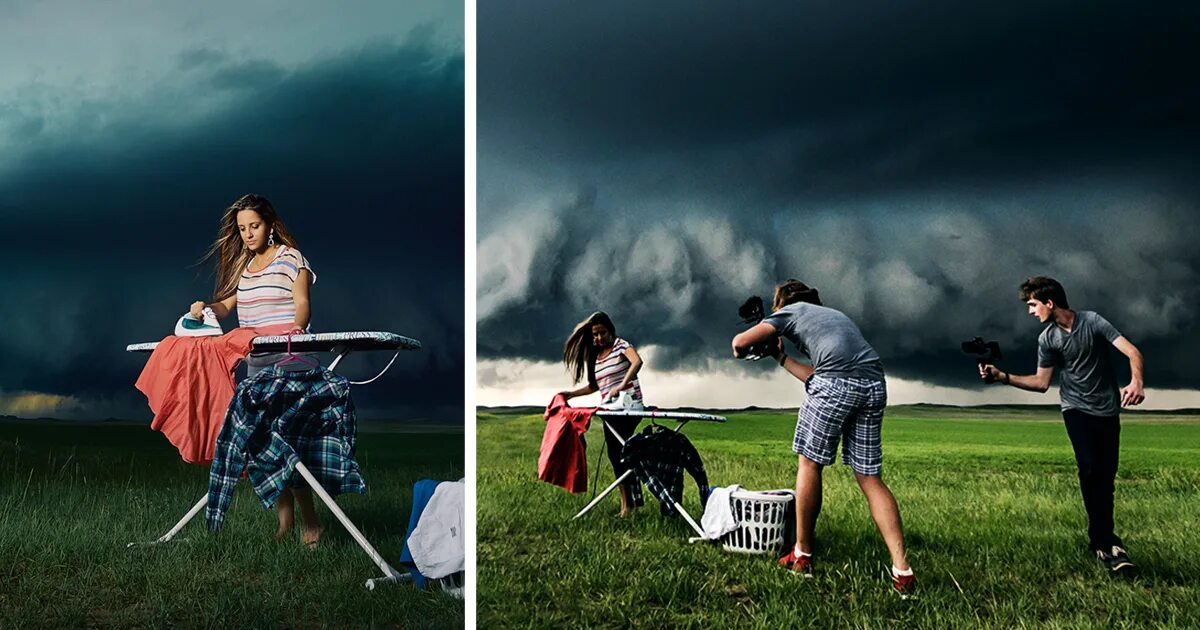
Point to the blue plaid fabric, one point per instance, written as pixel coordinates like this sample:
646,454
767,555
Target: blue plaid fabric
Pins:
278,418
658,457
842,407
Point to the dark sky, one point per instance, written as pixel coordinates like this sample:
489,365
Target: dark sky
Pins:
115,179
915,162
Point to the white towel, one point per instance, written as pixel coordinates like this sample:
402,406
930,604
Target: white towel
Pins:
718,517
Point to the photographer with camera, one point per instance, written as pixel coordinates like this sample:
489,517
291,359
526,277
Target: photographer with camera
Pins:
846,397
1077,343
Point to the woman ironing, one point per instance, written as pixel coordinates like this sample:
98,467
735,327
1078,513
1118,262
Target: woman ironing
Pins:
611,366
263,275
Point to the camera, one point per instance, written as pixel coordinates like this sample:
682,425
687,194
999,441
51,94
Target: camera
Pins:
751,312
985,352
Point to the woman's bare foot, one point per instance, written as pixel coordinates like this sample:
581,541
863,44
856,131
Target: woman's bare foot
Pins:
286,507
312,536
285,528
626,503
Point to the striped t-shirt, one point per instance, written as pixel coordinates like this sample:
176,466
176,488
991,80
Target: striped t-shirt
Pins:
265,297
610,371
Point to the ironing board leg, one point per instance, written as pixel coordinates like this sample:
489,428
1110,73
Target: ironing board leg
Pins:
613,485
341,352
688,517
178,526
389,574
607,491
678,508
609,428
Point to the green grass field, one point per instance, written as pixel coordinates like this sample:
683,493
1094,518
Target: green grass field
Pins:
72,495
990,501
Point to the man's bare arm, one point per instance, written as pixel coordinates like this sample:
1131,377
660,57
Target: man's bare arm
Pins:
1039,382
760,334
1133,393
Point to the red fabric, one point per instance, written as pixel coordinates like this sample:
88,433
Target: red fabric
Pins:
563,460
188,382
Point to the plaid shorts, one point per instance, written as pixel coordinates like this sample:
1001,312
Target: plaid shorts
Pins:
842,407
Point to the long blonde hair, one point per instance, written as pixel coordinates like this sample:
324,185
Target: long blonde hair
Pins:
229,250
579,351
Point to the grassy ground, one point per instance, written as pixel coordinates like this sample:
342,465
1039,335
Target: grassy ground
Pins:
72,496
991,508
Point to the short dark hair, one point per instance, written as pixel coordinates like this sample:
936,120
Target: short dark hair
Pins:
1044,289
792,291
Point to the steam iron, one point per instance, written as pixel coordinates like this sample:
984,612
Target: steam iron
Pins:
623,401
189,326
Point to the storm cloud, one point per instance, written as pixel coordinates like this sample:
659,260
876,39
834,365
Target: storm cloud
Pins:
915,164
109,196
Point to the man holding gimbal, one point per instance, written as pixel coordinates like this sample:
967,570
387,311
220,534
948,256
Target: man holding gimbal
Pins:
1077,343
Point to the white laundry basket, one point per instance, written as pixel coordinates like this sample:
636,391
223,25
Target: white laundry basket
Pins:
761,518
453,584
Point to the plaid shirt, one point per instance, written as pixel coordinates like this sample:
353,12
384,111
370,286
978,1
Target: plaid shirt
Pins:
658,458
278,418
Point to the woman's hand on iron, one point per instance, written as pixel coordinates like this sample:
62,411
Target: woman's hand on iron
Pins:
197,310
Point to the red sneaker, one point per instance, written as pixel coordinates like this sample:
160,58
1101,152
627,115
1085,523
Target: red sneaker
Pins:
904,584
798,563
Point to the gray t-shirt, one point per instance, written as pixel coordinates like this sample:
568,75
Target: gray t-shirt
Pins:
1088,381
829,338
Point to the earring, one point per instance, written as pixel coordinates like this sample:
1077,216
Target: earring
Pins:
271,239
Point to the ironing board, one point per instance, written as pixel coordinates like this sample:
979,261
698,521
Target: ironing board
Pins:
681,417
341,344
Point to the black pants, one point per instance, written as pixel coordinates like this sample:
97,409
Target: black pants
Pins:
1097,441
625,427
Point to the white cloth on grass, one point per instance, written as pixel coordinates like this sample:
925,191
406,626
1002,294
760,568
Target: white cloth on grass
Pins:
436,543
718,518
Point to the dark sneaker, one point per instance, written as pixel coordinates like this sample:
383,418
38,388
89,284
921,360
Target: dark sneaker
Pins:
1117,560
798,563
904,584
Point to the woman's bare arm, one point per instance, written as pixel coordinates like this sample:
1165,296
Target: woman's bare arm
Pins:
635,366
300,292
586,389
220,308
583,390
